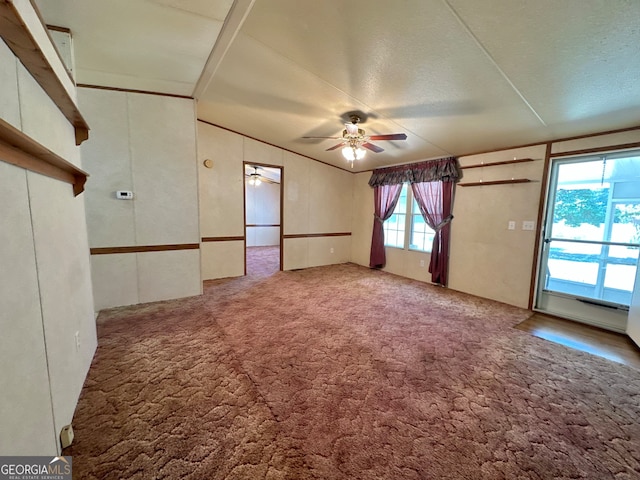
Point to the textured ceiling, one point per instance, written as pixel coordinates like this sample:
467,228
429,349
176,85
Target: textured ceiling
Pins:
457,76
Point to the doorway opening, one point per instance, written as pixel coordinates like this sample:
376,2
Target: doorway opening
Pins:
591,240
263,200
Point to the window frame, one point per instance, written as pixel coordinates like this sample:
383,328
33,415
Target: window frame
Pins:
409,214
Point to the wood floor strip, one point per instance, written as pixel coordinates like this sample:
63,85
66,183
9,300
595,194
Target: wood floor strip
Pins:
596,341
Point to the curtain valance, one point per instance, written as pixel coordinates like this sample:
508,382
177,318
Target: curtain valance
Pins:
443,169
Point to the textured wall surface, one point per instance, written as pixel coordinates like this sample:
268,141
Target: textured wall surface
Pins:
145,144
486,258
317,200
47,316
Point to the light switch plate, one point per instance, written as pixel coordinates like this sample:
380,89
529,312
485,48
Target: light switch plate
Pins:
528,225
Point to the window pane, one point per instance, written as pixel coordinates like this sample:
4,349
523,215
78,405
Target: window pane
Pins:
626,222
595,215
421,234
394,226
592,195
573,268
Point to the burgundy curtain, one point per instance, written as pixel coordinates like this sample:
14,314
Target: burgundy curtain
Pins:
385,198
434,200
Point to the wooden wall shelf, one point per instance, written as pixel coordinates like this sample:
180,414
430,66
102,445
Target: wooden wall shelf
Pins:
20,40
493,164
20,150
494,182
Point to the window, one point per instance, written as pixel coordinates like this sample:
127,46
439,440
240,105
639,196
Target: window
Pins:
407,218
394,227
593,228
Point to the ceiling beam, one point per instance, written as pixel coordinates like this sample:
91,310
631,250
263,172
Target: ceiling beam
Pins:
232,25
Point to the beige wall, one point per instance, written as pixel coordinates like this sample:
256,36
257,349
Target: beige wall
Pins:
45,289
262,205
145,144
362,219
317,199
486,259
221,201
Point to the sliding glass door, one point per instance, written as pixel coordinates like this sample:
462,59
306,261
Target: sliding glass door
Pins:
591,239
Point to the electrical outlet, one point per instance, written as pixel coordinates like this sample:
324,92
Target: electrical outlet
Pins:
511,225
528,225
77,337
331,250
422,263
66,436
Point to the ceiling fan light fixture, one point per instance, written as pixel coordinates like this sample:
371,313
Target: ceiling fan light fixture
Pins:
254,178
352,153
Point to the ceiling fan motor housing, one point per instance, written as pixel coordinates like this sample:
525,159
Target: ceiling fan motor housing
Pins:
359,133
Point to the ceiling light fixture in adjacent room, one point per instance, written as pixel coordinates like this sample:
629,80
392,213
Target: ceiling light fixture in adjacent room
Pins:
254,179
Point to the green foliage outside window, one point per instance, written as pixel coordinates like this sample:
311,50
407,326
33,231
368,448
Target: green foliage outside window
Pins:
580,206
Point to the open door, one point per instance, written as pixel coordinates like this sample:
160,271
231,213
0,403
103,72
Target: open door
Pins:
263,218
589,256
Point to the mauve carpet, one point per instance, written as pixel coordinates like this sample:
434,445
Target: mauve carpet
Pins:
341,372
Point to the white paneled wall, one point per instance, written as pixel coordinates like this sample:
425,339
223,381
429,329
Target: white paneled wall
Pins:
317,200
262,203
25,410
145,144
65,289
45,288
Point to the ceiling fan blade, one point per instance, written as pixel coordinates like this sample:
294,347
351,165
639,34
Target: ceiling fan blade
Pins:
389,136
336,138
372,147
336,146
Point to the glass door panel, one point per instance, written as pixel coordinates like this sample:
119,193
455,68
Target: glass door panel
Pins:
592,235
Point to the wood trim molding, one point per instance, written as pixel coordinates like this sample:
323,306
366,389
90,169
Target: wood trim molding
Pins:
143,248
541,211
131,90
314,235
494,182
587,151
20,40
493,164
239,238
56,28
554,140
499,149
276,146
20,150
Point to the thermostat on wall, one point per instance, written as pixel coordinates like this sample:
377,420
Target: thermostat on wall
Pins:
124,194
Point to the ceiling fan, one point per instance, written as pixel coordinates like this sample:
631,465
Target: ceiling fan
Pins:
254,178
354,138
